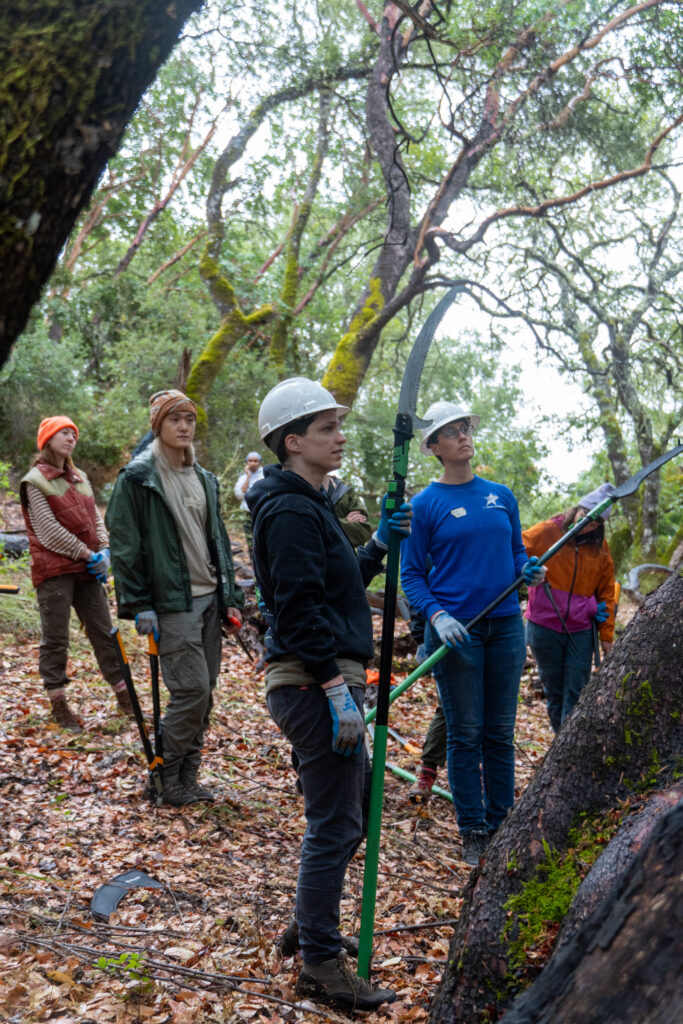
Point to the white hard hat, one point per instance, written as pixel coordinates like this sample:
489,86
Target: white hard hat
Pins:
290,400
253,455
589,501
441,413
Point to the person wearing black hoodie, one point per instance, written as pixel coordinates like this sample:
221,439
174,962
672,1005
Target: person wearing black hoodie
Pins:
318,643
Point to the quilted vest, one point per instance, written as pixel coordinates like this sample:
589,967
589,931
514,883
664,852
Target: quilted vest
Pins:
70,496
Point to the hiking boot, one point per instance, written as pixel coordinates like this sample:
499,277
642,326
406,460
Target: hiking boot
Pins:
421,789
289,944
474,845
189,781
64,716
124,702
175,793
335,985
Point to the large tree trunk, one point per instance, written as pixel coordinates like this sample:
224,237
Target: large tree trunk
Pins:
72,75
626,725
623,965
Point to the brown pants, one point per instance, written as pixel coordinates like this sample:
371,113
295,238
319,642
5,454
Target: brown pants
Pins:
56,597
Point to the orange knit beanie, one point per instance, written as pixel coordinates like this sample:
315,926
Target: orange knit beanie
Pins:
49,427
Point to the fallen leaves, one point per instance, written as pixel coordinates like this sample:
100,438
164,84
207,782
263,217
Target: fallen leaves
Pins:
203,948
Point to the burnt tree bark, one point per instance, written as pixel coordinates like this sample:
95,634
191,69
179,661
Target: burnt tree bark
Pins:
72,75
625,727
623,965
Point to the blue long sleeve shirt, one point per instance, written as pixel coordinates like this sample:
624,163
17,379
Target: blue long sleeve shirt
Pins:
473,535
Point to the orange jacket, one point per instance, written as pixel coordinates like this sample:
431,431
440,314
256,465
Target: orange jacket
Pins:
579,575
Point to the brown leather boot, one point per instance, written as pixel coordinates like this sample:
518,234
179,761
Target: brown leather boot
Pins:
336,985
189,781
175,793
124,702
64,716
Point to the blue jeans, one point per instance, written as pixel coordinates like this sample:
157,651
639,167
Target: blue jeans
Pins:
336,794
478,686
564,669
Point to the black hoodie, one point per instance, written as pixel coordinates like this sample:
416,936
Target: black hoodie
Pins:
310,578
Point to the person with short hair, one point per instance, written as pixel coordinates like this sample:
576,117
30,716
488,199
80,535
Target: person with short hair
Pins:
69,548
253,471
470,529
318,644
578,590
174,576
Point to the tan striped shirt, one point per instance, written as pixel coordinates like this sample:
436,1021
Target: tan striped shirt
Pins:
50,532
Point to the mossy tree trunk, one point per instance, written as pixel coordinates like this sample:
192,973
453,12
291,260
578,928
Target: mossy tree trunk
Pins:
73,72
234,323
623,965
620,738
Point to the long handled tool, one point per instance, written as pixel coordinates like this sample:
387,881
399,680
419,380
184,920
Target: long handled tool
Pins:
596,643
154,763
406,419
232,621
630,486
156,705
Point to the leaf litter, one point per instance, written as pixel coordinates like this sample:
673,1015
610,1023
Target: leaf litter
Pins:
204,948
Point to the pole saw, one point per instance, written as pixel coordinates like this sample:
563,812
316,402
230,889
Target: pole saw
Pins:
406,420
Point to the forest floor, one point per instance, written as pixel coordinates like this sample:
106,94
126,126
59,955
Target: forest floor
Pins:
202,949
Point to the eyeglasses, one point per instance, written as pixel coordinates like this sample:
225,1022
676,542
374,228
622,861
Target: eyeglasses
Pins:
463,427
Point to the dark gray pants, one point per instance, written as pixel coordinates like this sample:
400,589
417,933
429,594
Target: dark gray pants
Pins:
56,597
336,793
190,656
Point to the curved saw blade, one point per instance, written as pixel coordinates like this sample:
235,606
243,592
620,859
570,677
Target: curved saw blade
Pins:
407,402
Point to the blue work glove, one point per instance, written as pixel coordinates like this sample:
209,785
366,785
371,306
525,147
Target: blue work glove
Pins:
451,632
98,564
398,521
348,727
601,615
147,622
533,573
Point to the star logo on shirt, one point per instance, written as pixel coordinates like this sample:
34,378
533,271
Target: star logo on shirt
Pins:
491,501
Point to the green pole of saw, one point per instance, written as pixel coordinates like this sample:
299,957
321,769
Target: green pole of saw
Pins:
402,436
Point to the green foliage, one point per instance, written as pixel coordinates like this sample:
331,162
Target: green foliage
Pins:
131,967
121,337
535,913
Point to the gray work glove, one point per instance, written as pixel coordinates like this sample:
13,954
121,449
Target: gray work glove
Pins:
147,622
450,631
348,727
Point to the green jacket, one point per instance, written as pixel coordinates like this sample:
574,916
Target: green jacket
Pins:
345,500
148,561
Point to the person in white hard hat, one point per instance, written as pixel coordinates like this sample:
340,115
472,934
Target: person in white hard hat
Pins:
318,644
253,471
470,529
579,589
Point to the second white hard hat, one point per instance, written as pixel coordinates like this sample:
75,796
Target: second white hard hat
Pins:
290,400
442,413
